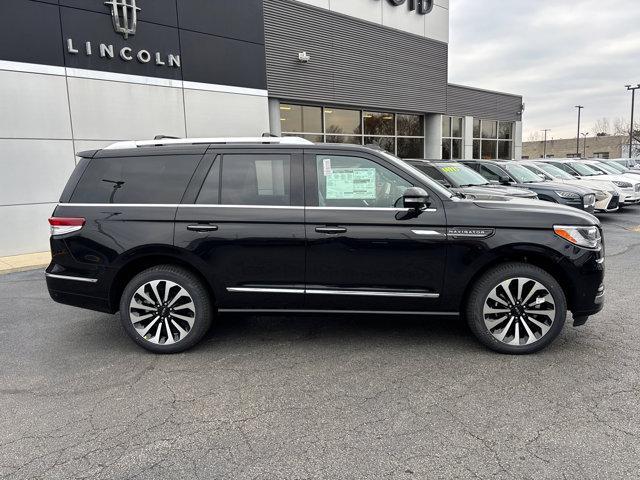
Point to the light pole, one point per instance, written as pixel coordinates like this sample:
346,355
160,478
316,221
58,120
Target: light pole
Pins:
545,142
585,135
633,104
579,107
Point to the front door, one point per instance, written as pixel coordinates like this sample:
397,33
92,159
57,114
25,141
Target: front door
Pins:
246,229
365,252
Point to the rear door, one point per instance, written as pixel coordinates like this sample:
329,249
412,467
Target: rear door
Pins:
365,251
245,227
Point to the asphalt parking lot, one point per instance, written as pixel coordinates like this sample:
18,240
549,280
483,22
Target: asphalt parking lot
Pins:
311,397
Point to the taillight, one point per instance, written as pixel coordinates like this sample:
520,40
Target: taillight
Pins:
62,226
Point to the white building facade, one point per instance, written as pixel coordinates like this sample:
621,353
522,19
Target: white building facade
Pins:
358,71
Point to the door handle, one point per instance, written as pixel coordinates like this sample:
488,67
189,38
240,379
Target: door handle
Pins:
202,228
331,230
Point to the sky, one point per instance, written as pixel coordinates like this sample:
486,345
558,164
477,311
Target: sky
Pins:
556,53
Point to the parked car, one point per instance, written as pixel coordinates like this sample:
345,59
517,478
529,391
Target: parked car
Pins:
629,190
621,168
607,169
511,173
171,233
630,163
607,193
461,179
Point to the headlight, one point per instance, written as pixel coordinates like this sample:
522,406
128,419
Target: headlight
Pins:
589,200
570,195
623,184
585,237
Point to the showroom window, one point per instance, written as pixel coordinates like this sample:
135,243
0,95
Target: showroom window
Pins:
452,135
401,134
492,140
604,155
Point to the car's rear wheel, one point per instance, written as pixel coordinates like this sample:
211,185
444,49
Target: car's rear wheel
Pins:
166,309
516,308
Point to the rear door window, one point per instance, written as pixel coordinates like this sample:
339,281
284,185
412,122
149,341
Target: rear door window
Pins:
255,179
136,180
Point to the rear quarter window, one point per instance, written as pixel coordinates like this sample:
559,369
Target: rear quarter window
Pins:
160,179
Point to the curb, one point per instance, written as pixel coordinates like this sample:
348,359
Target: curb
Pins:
24,263
28,268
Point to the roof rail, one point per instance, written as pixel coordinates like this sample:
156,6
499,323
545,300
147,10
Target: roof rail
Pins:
196,141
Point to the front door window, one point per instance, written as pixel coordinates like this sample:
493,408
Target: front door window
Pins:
345,181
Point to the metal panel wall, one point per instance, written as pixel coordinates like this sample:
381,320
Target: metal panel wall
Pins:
463,101
353,62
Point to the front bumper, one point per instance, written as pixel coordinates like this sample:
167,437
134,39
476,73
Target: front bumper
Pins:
629,198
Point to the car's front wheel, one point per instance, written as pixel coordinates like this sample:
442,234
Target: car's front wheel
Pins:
516,308
165,309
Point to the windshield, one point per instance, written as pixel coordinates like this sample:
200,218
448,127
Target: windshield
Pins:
617,167
460,175
607,168
522,174
554,171
584,170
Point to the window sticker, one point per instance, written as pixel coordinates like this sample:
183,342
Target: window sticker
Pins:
352,183
449,169
326,167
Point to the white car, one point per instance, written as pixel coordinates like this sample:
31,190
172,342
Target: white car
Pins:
629,189
631,179
607,193
619,169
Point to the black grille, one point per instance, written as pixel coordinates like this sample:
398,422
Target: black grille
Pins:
614,203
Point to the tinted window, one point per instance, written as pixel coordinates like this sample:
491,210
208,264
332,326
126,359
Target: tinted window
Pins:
256,180
138,180
210,191
357,182
491,173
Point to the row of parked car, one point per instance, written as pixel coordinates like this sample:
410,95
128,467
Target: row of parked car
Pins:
595,185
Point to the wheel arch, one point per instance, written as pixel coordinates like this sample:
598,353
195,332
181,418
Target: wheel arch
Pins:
546,259
141,261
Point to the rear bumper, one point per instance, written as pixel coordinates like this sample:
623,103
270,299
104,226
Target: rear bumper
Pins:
80,301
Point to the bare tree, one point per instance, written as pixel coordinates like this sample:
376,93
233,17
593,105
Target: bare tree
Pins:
602,127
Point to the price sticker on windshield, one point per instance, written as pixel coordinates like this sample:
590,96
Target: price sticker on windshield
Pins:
450,169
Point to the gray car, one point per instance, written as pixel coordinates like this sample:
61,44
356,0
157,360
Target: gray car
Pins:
461,179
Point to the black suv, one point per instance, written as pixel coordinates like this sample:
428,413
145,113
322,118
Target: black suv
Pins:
514,174
171,232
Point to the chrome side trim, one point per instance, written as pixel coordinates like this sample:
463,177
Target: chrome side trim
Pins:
173,205
366,209
368,293
313,291
265,290
428,233
358,312
72,279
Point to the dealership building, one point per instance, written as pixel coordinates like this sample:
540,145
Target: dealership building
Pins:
81,74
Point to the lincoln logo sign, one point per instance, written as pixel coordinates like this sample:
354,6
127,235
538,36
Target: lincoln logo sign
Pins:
421,6
124,14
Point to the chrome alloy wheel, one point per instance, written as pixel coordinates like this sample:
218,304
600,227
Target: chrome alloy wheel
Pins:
519,311
162,312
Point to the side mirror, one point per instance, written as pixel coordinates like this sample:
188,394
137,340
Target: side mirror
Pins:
416,198
505,181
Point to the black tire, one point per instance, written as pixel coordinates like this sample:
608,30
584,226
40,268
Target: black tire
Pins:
484,287
202,314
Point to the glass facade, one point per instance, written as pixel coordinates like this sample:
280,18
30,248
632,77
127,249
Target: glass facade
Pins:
401,134
492,140
452,137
